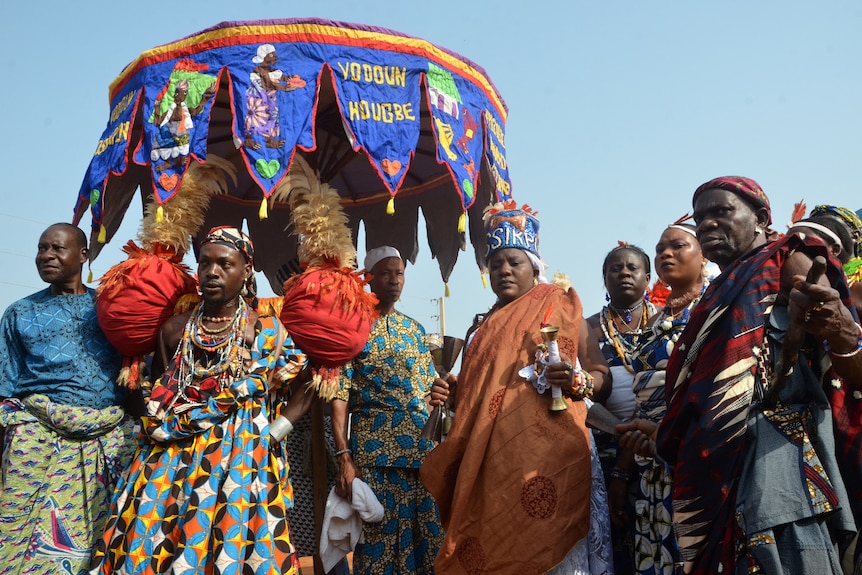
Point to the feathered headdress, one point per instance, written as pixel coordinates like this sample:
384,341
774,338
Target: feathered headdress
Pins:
136,296
318,218
798,212
326,308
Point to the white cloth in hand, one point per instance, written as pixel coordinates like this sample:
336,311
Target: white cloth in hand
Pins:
342,522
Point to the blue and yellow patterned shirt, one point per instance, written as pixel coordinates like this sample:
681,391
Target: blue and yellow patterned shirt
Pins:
386,385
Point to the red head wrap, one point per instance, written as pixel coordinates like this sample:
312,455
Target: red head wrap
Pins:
745,188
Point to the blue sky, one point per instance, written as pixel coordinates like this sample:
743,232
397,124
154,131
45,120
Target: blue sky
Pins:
617,112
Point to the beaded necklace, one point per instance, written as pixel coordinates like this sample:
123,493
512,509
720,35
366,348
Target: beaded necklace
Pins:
670,318
627,311
622,346
213,319
222,358
683,302
200,318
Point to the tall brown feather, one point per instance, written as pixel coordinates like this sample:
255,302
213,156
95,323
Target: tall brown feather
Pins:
184,213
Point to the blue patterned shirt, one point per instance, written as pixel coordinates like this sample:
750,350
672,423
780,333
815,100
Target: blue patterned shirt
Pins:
386,385
52,345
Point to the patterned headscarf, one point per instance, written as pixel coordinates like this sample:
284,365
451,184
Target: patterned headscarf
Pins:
849,218
234,238
745,188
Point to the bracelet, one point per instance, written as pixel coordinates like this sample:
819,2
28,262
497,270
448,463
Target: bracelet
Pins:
582,387
342,452
280,428
849,354
617,473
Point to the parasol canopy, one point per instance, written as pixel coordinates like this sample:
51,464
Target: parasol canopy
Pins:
394,123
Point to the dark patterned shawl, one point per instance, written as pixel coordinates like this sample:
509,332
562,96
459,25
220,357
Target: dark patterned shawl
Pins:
720,366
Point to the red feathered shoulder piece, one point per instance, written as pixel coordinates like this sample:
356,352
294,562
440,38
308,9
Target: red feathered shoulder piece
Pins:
328,313
136,296
658,294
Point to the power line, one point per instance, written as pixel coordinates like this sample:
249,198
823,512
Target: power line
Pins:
18,285
14,217
29,257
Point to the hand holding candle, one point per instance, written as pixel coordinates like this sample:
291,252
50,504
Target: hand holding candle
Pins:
549,336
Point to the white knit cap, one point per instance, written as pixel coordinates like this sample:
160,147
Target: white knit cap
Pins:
377,254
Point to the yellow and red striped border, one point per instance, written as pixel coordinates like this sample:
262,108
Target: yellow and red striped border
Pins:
312,31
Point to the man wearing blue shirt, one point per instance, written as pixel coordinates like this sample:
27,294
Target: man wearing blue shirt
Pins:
65,434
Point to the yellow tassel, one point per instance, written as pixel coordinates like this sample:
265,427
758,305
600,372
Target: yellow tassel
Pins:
160,215
262,214
484,281
447,294
90,277
390,206
462,223
103,234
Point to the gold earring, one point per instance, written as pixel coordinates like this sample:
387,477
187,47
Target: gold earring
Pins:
535,281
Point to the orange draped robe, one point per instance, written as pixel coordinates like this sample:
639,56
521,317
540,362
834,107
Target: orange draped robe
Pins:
512,479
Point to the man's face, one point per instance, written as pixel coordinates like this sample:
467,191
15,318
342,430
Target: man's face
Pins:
387,280
222,271
60,255
726,225
181,94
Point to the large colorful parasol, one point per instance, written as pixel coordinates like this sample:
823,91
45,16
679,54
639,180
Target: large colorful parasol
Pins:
392,122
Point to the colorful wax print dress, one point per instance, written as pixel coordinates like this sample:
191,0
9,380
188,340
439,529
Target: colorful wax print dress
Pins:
386,386
208,490
66,441
656,550
618,349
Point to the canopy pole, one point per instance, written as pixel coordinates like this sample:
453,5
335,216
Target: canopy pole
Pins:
320,485
442,317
